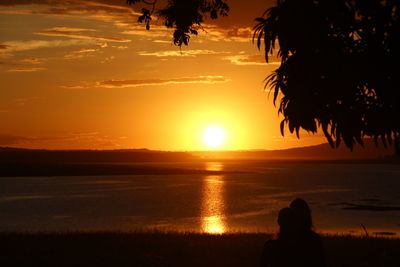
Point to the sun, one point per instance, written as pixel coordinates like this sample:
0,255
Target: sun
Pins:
213,136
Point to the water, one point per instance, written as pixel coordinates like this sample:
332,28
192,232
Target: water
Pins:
245,202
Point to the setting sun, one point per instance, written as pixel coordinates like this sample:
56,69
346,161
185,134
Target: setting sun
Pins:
213,136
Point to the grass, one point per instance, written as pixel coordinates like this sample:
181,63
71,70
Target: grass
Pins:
177,249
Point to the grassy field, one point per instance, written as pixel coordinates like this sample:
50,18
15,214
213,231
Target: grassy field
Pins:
177,249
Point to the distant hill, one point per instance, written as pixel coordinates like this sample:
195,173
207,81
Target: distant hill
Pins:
88,156
317,152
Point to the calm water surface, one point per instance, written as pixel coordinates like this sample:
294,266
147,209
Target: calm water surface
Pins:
340,196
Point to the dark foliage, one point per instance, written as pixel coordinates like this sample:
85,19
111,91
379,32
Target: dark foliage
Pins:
185,16
339,67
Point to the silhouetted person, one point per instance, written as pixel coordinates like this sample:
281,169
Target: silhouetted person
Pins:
302,213
296,243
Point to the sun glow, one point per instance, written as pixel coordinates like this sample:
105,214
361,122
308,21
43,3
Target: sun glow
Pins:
214,136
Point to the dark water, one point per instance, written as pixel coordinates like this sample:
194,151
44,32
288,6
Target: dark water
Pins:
342,197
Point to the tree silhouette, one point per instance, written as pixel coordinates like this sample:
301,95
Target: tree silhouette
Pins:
338,67
185,16
339,62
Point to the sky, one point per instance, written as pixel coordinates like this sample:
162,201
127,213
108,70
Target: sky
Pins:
83,74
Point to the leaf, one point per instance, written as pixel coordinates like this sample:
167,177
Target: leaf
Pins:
327,135
282,126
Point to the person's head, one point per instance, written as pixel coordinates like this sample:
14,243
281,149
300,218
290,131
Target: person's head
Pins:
285,222
302,214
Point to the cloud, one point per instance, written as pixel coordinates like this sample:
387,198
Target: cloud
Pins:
237,27
134,28
25,69
69,29
181,53
108,59
120,47
25,65
62,7
82,53
238,32
125,17
161,41
34,61
37,44
250,60
153,32
77,140
77,33
6,140
186,80
74,86
3,46
231,34
102,45
26,2
88,50
209,32
149,82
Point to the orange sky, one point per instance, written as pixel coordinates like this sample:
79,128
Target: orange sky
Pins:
84,74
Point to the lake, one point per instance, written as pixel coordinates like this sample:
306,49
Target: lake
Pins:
247,199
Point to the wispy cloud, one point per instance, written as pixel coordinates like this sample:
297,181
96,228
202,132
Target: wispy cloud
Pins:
123,16
81,53
37,44
67,140
186,80
3,46
77,33
182,53
63,7
250,60
211,32
24,65
6,140
75,86
25,69
120,47
70,29
158,31
161,41
150,82
108,59
235,34
239,34
31,60
155,32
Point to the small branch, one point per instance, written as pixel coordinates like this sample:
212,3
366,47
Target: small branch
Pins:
153,4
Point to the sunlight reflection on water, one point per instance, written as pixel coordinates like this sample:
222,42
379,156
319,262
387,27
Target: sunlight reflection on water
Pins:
213,201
